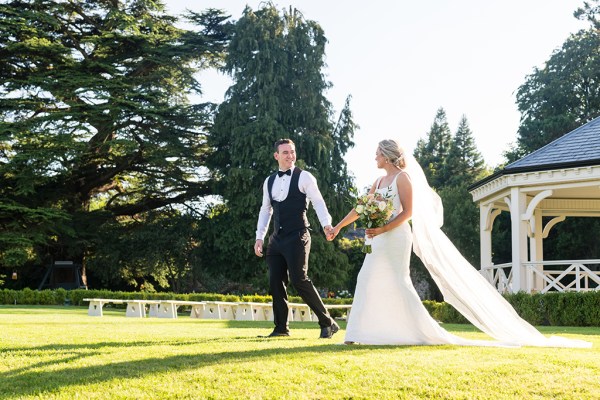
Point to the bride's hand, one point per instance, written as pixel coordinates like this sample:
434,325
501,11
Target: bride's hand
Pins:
372,232
334,233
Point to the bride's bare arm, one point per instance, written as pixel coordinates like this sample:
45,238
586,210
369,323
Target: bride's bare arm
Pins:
347,220
405,194
350,217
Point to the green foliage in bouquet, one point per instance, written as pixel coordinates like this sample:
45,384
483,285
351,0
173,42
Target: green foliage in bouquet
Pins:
374,210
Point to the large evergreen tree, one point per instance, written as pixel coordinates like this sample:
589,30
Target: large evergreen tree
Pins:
433,151
464,163
95,123
452,163
276,60
463,166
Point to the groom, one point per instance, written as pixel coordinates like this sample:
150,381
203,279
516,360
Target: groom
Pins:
286,195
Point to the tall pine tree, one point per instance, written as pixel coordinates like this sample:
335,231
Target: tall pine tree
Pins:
464,163
463,166
432,152
276,61
451,163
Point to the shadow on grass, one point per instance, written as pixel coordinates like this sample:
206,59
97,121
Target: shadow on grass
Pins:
269,325
453,328
66,353
62,348
51,376
21,382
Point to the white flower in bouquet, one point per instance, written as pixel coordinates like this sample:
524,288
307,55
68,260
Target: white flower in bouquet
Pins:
373,212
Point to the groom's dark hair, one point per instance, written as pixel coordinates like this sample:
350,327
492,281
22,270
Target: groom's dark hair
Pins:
283,141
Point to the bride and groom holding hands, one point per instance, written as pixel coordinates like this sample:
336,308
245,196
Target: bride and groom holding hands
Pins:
386,309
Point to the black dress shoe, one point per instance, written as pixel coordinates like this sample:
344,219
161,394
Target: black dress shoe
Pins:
276,334
328,331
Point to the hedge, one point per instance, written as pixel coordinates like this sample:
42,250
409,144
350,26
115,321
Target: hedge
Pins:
556,309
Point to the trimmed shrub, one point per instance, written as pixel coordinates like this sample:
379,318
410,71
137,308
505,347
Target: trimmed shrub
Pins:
8,296
557,309
530,307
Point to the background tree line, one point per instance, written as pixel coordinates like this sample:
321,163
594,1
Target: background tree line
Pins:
106,160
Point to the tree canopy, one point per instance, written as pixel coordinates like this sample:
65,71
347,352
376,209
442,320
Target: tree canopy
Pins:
561,95
96,124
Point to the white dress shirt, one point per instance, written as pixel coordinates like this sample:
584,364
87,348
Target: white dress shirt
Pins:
307,184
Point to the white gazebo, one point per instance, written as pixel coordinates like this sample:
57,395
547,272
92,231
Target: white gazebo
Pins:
558,181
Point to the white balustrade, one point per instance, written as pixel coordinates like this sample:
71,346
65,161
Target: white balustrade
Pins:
558,275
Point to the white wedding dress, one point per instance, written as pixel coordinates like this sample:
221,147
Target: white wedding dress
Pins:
386,307
388,311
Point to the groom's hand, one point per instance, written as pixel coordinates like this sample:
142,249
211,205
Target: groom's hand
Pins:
258,247
329,232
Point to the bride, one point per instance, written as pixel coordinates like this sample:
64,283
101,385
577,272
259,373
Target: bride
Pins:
387,309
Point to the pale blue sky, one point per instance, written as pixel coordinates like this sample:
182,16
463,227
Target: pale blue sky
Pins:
402,60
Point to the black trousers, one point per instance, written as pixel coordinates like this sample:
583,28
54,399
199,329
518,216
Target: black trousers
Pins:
287,258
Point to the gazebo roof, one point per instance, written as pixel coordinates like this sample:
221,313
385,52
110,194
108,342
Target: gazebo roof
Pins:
580,147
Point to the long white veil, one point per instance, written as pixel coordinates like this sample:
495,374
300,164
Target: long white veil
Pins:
460,283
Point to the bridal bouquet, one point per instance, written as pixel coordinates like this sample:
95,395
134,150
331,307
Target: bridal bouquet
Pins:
373,210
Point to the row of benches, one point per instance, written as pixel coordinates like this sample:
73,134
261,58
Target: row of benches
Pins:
240,311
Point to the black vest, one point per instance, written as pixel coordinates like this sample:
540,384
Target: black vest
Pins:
289,215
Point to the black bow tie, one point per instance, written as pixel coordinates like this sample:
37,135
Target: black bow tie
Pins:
282,173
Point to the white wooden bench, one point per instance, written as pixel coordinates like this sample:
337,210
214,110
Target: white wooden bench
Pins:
197,309
302,312
252,311
299,312
168,308
347,307
240,311
249,311
95,307
215,310
135,308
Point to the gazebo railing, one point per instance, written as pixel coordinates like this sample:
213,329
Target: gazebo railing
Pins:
496,274
546,276
575,275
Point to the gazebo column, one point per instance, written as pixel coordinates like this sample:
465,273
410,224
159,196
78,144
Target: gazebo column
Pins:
536,253
533,216
517,204
485,239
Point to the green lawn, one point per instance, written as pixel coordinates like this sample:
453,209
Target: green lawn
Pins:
61,353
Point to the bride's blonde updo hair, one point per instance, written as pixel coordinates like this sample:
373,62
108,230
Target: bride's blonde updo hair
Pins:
392,152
